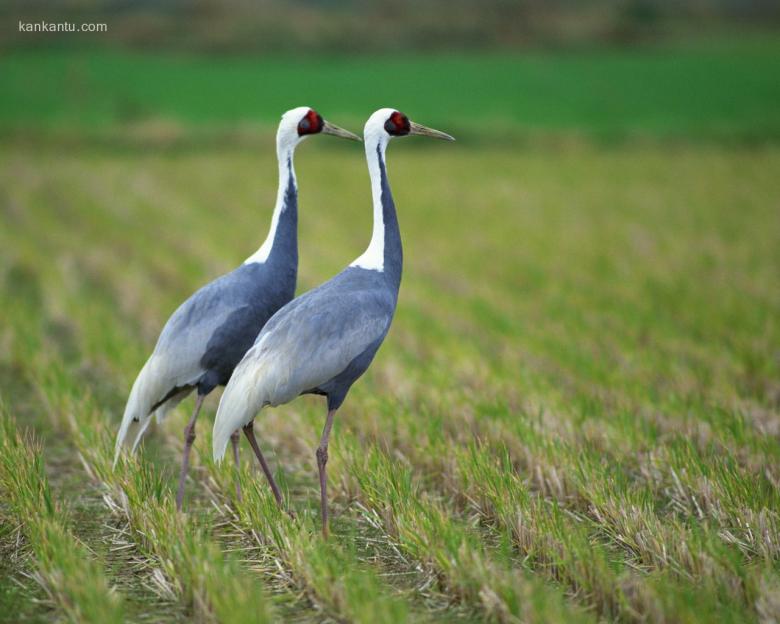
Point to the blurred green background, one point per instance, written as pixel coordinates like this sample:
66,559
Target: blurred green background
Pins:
494,68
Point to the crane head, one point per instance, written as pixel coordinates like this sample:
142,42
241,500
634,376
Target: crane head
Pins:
299,123
393,123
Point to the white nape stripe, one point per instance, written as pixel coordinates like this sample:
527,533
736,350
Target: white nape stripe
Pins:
285,171
287,139
375,137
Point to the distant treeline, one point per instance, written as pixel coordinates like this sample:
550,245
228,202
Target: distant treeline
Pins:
374,25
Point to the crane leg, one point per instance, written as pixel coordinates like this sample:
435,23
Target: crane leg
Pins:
322,460
234,438
249,432
189,438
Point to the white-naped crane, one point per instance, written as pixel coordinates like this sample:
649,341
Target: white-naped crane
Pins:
322,341
211,331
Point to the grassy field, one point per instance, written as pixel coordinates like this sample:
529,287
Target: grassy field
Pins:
575,416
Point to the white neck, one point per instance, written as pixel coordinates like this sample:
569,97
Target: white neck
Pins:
373,258
284,153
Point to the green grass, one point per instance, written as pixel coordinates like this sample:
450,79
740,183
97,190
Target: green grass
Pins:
188,565
574,416
329,573
719,88
65,568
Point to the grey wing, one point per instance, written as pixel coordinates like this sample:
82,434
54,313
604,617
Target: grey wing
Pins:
184,338
175,361
317,339
306,344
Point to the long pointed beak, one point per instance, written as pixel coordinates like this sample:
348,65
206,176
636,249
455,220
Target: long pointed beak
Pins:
329,128
415,128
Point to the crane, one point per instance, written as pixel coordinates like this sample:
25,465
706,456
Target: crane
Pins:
208,334
324,340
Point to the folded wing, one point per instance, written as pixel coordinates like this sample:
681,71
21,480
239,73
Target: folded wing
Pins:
303,346
174,367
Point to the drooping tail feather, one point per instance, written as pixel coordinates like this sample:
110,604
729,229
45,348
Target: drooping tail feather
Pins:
135,433
146,392
137,428
136,417
242,399
149,388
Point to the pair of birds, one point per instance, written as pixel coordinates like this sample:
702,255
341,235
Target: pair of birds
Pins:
245,330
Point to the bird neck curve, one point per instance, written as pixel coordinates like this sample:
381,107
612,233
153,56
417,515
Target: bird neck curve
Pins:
384,253
282,238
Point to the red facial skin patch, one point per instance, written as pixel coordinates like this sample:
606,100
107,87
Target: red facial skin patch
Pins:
311,123
397,124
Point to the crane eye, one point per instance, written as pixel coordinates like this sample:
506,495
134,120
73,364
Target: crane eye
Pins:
397,124
311,123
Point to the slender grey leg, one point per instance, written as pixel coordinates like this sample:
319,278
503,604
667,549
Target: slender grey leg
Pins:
234,438
189,438
249,432
322,460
